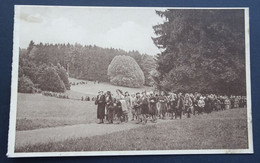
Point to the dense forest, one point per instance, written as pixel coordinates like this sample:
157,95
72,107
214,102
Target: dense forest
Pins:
203,50
81,62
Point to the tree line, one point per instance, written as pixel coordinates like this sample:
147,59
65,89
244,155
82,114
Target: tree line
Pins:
77,61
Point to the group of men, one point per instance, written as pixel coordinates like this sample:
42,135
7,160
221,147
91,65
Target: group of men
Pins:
144,106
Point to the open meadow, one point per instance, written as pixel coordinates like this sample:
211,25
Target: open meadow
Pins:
50,124
36,111
91,88
219,130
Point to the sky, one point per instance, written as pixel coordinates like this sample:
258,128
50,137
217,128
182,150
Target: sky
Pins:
124,28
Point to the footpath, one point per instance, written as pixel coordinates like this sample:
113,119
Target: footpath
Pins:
56,134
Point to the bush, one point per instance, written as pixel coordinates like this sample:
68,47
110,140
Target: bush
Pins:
25,85
50,81
124,71
28,68
63,76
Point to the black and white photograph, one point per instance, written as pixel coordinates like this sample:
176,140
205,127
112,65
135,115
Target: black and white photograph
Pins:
101,81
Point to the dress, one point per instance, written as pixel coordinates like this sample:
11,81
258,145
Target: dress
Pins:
128,103
124,105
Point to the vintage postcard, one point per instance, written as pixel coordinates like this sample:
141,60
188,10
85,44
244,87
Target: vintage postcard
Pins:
95,81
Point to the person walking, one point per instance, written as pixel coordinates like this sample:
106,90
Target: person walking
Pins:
180,106
188,104
201,105
162,105
109,107
144,107
173,104
132,104
100,102
153,109
137,107
227,103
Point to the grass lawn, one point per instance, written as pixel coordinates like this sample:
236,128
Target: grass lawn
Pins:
37,111
92,89
218,130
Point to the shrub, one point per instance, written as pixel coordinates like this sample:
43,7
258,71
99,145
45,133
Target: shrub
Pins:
50,81
124,71
63,76
25,85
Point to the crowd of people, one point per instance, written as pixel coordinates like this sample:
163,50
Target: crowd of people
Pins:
83,82
78,83
65,96
87,98
54,94
144,106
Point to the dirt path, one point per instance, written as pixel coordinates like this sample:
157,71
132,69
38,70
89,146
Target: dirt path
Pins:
44,135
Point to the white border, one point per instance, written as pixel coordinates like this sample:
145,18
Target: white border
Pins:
14,85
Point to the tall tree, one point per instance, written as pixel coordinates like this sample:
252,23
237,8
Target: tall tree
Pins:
147,64
203,50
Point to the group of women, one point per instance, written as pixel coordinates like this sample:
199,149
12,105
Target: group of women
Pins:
143,106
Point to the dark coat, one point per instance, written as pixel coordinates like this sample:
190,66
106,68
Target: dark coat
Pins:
145,107
110,107
138,105
153,108
118,109
173,105
101,103
180,103
208,105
